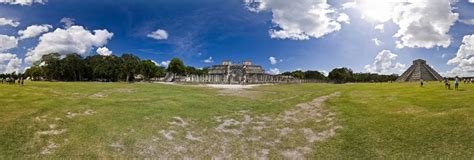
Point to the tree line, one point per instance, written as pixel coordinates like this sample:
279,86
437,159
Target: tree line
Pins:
341,75
345,75
112,68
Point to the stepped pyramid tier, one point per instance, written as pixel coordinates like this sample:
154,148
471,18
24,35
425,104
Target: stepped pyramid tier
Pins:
420,70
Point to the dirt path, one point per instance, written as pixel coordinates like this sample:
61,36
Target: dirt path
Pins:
291,134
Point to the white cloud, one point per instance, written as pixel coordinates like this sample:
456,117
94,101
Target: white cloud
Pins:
274,71
273,60
10,63
159,34
385,64
10,22
104,51
464,57
165,63
471,1
424,25
209,60
162,64
34,31
68,22
344,18
23,2
299,20
380,27
74,39
467,21
377,41
7,42
349,5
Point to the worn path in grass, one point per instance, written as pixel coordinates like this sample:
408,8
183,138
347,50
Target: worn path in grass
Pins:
99,120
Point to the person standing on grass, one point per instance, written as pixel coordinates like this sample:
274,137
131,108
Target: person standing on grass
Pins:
456,83
446,83
421,82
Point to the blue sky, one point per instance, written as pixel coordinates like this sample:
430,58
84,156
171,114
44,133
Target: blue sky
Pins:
240,30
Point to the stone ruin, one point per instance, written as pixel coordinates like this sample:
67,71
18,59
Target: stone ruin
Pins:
239,73
420,70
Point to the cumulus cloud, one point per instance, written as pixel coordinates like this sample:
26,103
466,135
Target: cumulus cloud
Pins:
7,42
377,41
471,1
299,20
385,64
209,60
34,31
159,34
10,63
424,25
68,22
274,71
379,27
23,2
467,21
464,59
104,51
74,39
349,5
344,18
10,22
274,60
162,64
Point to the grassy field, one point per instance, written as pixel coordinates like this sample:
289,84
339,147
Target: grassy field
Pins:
117,120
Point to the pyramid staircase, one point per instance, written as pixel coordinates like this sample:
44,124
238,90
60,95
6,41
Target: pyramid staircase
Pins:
420,70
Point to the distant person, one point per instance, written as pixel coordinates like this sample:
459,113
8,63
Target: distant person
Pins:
22,81
447,85
456,83
421,82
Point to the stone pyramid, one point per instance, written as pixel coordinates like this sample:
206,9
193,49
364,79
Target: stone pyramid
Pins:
420,70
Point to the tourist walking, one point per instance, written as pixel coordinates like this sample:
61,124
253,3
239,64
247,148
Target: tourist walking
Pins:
447,85
421,82
456,83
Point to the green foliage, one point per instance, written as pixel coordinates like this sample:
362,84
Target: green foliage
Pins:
341,75
371,77
98,68
35,72
314,75
130,66
177,66
149,69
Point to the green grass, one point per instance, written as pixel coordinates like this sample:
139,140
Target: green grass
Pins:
379,121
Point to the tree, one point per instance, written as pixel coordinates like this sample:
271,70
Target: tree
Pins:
73,68
160,72
177,66
148,69
130,66
191,70
314,75
298,74
34,72
52,66
341,75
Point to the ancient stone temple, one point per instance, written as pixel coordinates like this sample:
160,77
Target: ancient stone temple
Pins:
245,72
420,70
